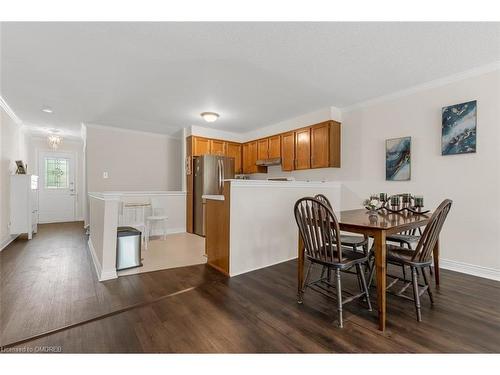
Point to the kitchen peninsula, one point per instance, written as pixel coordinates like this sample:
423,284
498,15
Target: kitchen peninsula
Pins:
252,224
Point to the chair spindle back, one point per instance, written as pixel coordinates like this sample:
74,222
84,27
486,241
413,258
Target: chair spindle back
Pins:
319,230
425,247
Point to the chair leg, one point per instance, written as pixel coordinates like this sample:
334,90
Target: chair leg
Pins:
426,282
366,252
404,272
360,285
145,237
372,272
164,230
323,272
361,273
415,292
431,271
339,297
300,297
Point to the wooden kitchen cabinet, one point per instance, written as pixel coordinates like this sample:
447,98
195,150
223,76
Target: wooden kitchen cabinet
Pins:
262,149
303,148
288,151
274,147
201,146
335,144
233,150
217,147
320,142
250,158
325,145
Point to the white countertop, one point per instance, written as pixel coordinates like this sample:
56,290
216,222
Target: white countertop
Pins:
292,184
213,197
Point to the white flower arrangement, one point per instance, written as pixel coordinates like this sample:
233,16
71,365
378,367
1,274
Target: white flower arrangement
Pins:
372,203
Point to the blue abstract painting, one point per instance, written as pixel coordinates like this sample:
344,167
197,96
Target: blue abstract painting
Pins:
398,159
459,128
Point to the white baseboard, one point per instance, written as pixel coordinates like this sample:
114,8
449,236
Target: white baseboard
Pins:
101,275
7,240
470,269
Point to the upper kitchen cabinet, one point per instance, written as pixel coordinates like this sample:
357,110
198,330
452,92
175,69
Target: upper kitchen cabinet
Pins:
233,150
250,158
288,151
325,145
262,149
201,146
335,146
274,147
217,147
303,148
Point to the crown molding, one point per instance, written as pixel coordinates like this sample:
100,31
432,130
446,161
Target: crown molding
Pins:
425,86
9,111
133,131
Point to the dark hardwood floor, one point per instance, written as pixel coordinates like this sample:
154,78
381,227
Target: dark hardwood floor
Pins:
49,282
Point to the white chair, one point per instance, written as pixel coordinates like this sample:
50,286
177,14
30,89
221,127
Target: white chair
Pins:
158,210
133,214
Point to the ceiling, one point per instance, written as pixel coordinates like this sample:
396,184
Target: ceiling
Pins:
159,76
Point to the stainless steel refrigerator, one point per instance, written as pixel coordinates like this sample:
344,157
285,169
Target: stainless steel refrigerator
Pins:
209,174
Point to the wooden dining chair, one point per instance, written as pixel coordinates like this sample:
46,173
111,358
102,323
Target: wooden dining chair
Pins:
320,233
418,259
353,241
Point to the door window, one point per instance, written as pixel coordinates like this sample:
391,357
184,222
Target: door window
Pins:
56,173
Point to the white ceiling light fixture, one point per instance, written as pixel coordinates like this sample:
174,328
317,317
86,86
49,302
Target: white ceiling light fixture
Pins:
209,116
47,110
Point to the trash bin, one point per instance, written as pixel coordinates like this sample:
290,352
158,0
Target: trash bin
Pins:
128,248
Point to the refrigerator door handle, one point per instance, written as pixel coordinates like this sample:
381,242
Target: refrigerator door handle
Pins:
219,175
223,175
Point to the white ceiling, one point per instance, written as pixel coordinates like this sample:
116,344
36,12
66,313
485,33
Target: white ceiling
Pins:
159,76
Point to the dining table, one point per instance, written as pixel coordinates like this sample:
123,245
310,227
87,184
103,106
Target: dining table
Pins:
378,226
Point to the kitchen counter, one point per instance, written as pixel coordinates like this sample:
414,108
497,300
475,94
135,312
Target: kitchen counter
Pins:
254,226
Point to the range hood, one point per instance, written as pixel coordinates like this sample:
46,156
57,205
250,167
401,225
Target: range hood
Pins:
268,162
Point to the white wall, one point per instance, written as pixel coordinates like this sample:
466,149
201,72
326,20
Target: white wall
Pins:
12,147
471,235
262,236
37,144
134,160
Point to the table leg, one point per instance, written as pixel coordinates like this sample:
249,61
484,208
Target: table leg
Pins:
436,262
380,268
300,269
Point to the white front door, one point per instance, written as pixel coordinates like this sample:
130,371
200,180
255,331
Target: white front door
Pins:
57,194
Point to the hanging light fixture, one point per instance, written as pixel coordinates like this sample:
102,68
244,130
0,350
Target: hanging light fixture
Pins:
54,139
209,116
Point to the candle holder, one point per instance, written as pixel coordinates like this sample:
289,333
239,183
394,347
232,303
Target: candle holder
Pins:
403,203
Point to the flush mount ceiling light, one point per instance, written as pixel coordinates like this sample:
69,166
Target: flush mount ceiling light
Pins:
47,110
209,116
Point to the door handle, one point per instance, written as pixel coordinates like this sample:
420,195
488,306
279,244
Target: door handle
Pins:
223,175
219,176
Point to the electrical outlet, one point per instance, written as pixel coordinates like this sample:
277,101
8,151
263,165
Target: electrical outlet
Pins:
104,175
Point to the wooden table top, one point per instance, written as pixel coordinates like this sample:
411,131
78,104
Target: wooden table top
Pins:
382,220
